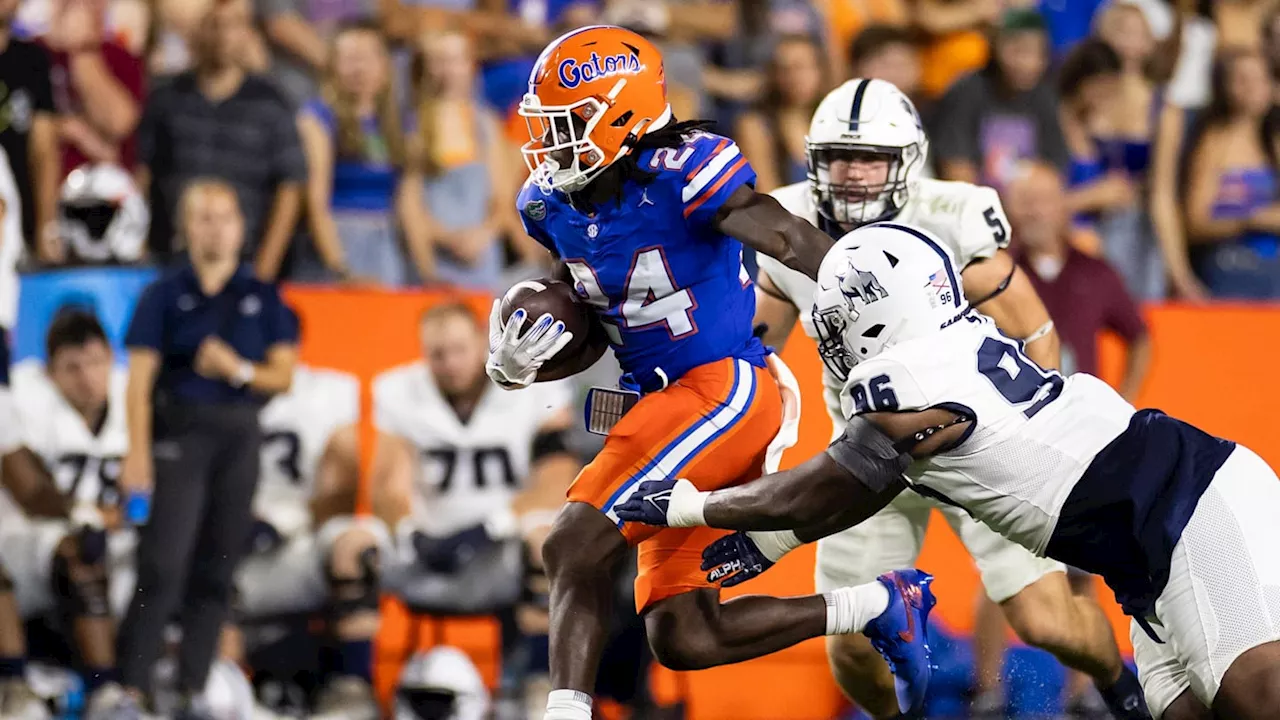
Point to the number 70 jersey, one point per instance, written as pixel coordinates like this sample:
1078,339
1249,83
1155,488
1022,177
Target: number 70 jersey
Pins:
668,286
1034,432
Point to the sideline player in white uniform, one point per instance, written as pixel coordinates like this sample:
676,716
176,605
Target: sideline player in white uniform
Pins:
461,463
310,552
1179,523
61,535
866,149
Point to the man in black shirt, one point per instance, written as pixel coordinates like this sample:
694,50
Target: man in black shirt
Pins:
27,132
218,121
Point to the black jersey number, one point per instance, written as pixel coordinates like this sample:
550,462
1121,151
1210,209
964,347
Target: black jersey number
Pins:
490,466
76,468
285,447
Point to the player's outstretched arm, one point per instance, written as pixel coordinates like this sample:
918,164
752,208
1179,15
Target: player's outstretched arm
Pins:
581,555
761,223
31,486
857,476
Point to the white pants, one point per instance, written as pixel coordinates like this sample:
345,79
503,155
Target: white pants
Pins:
27,550
294,578
1223,594
891,539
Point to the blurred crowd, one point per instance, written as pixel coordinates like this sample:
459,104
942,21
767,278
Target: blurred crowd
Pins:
1135,144
377,142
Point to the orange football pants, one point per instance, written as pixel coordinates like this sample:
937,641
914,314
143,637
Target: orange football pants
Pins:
712,427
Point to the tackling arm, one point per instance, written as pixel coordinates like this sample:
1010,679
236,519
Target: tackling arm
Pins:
761,223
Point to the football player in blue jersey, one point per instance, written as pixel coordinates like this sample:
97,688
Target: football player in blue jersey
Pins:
648,217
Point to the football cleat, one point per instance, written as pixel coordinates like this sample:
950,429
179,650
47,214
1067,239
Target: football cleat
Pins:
901,635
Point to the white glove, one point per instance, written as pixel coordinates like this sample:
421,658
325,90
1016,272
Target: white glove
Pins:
514,359
568,705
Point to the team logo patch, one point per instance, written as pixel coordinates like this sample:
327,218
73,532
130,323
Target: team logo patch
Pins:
860,284
536,210
573,73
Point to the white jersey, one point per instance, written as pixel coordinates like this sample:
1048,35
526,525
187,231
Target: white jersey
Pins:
465,470
84,461
968,219
1035,432
296,428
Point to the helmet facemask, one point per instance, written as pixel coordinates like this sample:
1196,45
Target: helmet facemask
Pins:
851,205
560,153
830,323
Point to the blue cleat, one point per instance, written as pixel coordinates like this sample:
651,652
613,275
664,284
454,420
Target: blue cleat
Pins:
901,635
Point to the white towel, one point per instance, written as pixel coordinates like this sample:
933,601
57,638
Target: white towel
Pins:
790,430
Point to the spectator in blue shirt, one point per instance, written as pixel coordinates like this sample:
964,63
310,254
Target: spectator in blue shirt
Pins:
208,343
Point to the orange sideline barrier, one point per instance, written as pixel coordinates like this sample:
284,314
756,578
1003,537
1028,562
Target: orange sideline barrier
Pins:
1201,373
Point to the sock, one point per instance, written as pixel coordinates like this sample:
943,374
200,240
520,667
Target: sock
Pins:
12,667
1124,697
355,658
95,678
849,609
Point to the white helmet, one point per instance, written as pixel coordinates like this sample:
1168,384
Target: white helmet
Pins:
442,684
880,285
101,215
865,117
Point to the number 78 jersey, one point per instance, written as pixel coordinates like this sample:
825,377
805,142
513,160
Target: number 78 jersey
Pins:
1034,432
669,288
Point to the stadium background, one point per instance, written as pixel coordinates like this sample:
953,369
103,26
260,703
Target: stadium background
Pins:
1198,375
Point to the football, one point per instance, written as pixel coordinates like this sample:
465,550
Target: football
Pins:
558,300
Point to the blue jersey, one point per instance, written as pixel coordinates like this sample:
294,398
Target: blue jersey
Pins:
669,288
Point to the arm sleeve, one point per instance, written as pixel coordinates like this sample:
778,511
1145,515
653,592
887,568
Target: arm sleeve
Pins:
532,208
714,169
1122,316
146,329
281,322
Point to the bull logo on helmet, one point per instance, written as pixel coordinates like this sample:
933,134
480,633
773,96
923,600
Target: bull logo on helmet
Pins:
573,73
860,284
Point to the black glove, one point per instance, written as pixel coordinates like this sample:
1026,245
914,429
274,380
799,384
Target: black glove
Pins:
93,544
733,560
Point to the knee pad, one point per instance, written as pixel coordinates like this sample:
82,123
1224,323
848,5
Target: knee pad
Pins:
349,596
82,589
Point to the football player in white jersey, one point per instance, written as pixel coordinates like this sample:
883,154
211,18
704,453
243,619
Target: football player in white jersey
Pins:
461,465
1180,524
310,552
61,535
866,149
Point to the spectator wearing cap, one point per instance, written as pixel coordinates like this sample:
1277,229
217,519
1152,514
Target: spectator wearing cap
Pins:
208,345
1083,294
217,120
991,121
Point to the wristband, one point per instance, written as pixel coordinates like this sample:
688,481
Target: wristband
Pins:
568,705
687,505
773,545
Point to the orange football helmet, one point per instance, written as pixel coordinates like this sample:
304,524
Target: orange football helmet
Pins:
593,92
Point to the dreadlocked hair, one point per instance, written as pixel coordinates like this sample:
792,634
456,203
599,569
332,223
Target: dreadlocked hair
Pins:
613,181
